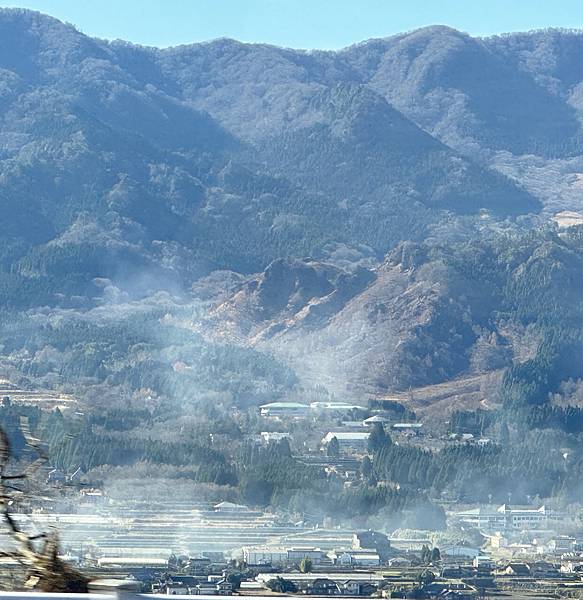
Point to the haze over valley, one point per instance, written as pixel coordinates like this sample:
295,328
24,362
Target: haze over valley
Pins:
219,261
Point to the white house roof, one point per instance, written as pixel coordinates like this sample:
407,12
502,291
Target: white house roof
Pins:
335,406
284,405
364,555
230,506
131,560
346,435
407,425
376,419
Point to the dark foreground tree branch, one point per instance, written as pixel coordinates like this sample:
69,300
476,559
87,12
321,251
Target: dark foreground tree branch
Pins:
39,553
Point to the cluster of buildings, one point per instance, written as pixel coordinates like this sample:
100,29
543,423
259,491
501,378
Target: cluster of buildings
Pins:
191,585
351,435
298,410
508,518
182,549
323,548
145,534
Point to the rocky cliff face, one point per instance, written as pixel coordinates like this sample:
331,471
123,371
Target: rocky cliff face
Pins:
406,322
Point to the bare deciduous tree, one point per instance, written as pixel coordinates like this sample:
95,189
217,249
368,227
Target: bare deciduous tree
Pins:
38,553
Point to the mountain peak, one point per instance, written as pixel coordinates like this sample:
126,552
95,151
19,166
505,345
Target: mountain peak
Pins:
35,21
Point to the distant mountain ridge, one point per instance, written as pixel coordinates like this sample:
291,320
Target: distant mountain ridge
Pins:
385,207
223,155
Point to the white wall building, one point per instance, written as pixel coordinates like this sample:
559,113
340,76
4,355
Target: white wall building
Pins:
349,441
264,555
335,408
506,517
277,555
267,437
284,409
361,558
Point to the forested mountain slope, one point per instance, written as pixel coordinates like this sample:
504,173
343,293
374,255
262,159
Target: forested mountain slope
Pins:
117,160
427,314
191,232
208,171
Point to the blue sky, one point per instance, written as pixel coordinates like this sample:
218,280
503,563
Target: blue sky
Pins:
299,23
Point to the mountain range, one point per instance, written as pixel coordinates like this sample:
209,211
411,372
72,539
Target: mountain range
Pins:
318,202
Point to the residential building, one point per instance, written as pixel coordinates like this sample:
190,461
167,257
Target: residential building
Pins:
285,409
230,507
348,441
322,586
561,544
459,551
56,476
336,408
448,590
274,555
295,555
264,555
483,562
516,569
507,517
543,569
400,562
408,427
354,587
92,495
409,544
212,588
375,419
353,558
267,437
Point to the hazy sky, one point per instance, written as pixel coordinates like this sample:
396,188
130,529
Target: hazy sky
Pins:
299,23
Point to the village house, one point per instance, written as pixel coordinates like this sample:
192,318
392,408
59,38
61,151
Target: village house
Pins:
354,587
322,586
56,476
400,562
459,551
515,569
348,441
273,555
375,419
450,590
483,562
353,558
336,408
572,564
561,544
264,555
92,495
230,507
297,554
408,428
212,588
543,569
284,409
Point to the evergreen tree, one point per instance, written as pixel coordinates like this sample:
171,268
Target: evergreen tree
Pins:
281,586
306,565
366,468
378,438
333,448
